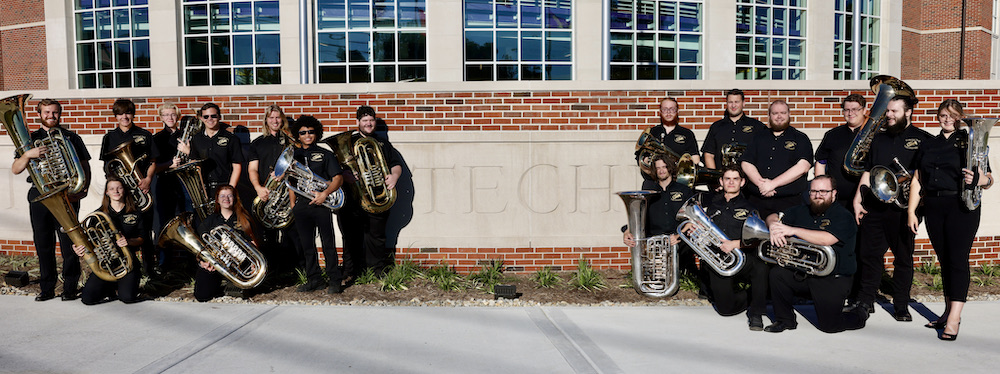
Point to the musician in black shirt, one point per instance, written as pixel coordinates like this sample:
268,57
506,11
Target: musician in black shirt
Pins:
832,150
670,134
735,128
120,207
661,213
228,211
278,244
776,163
168,193
221,150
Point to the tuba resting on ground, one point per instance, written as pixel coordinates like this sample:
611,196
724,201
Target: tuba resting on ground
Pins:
655,268
885,87
706,240
59,165
976,155
798,254
306,183
646,147
122,165
365,158
190,176
233,257
889,186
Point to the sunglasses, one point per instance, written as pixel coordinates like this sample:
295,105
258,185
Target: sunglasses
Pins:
207,116
307,132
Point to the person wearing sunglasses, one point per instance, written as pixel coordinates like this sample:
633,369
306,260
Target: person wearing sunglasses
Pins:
221,151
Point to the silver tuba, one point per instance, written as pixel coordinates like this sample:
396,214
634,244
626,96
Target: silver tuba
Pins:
276,212
191,125
122,165
235,258
886,87
731,154
889,186
306,183
706,240
59,165
975,156
655,268
797,254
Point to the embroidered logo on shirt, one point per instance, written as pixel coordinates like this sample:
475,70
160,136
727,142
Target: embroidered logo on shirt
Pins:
139,139
824,223
911,143
318,157
679,139
130,219
741,214
676,196
747,129
222,142
790,145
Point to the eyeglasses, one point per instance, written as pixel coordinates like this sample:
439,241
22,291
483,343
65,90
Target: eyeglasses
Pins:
207,116
307,132
855,110
224,196
820,192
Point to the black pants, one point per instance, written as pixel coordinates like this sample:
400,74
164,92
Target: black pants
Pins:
310,219
169,203
280,248
828,294
729,301
44,228
881,230
352,232
356,224
125,289
207,284
952,229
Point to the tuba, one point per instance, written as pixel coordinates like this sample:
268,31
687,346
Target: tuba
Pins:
122,165
59,165
886,87
690,174
646,147
731,153
655,267
276,212
306,183
889,186
975,156
365,158
192,125
230,254
190,176
797,254
706,240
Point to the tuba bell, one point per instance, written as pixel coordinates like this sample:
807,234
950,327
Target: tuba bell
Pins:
58,166
365,158
889,186
190,176
691,175
276,212
646,147
122,164
230,254
706,240
731,154
190,125
886,87
306,183
976,154
797,254
655,265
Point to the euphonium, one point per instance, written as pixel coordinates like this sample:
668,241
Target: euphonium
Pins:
190,176
230,254
889,186
365,158
190,125
646,147
690,174
122,165
886,87
59,165
797,254
306,182
276,212
975,156
706,239
654,260
731,154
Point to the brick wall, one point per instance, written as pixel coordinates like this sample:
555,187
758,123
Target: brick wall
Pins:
16,12
24,59
936,55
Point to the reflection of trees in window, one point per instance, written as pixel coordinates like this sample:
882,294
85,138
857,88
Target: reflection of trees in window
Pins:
770,39
518,40
854,52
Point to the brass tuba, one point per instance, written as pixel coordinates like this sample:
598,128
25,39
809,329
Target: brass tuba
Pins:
190,176
731,153
886,87
59,165
122,165
306,183
889,186
646,147
365,158
655,267
233,257
191,125
797,254
976,153
706,240
691,175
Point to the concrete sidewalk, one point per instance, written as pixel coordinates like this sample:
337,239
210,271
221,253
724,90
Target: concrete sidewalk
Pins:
173,337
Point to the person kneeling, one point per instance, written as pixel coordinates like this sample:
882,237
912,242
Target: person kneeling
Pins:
118,205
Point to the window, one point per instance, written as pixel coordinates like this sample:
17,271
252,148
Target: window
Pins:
371,41
770,39
850,36
112,43
231,43
518,40
655,39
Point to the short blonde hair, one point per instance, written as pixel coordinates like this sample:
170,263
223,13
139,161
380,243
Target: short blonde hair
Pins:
166,106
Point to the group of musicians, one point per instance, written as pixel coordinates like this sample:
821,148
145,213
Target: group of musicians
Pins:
835,208
218,150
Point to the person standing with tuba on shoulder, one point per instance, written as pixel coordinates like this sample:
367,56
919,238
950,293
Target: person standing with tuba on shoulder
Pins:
670,135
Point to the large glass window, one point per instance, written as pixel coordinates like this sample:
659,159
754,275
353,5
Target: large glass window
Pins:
231,43
655,39
856,26
518,40
112,43
770,39
371,41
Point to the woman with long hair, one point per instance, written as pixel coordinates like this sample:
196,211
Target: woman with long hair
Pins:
118,205
228,211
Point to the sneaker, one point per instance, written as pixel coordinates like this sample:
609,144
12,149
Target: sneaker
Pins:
312,285
756,323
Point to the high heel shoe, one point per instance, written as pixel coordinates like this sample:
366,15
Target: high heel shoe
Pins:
937,325
949,337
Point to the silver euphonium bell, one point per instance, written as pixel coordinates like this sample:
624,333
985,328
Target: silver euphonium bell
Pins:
976,155
654,261
797,254
235,258
706,239
889,186
306,183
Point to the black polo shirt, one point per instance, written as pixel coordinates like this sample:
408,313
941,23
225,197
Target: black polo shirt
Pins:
215,220
220,152
886,146
265,150
725,131
661,214
142,145
321,161
730,214
773,155
680,140
838,221
165,142
940,161
75,140
129,224
831,152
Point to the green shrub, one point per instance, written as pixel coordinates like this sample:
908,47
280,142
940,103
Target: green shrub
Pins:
491,274
546,278
586,278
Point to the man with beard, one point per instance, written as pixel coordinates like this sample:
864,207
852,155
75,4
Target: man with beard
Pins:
821,222
776,163
662,210
883,225
733,129
832,150
677,138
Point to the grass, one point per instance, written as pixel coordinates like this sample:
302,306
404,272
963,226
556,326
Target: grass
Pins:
688,282
366,277
491,274
982,280
19,262
300,277
445,277
586,278
929,266
937,284
399,277
629,281
989,270
546,278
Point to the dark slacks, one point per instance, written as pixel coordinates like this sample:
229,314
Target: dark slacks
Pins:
207,284
310,220
828,294
44,228
880,231
729,301
169,202
280,248
952,229
125,289
352,232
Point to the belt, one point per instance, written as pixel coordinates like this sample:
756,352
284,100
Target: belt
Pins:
942,193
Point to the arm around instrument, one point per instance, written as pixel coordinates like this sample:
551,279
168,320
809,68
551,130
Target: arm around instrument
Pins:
21,163
914,200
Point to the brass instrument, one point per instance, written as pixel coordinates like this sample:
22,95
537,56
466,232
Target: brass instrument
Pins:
190,176
975,156
648,146
655,267
797,254
731,154
365,158
235,258
885,87
306,183
691,175
276,212
59,165
122,165
889,186
706,240
191,126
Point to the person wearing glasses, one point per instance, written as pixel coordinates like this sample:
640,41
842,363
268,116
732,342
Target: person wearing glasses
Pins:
221,151
820,222
126,217
228,211
168,193
677,138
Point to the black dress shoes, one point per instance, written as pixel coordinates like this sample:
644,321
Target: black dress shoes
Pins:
43,296
903,315
756,323
779,327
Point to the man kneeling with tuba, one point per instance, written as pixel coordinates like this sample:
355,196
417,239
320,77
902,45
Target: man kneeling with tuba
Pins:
820,223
